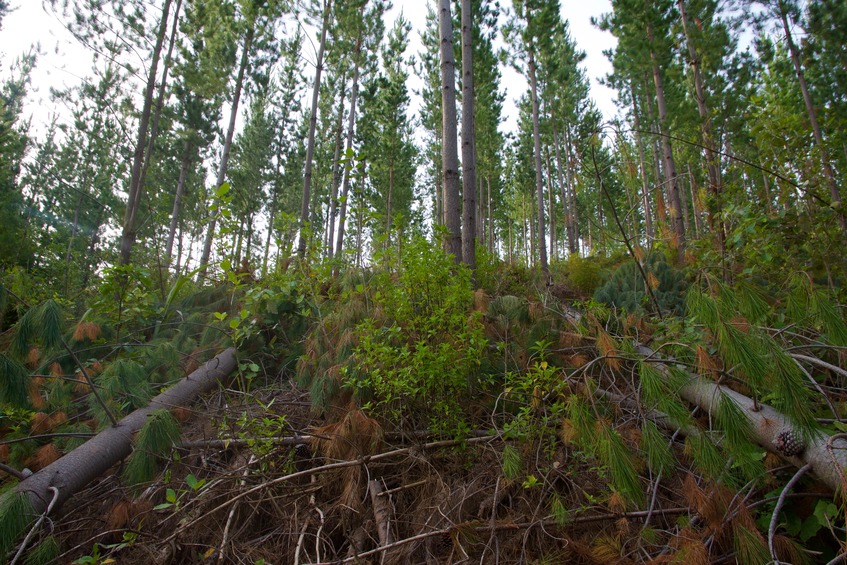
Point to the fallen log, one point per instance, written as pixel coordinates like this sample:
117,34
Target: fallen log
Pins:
826,455
72,472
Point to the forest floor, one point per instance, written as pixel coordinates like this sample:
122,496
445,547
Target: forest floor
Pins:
349,493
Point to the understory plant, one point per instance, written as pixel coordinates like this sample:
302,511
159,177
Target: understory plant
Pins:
419,354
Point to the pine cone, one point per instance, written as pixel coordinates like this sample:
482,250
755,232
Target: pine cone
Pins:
789,443
302,450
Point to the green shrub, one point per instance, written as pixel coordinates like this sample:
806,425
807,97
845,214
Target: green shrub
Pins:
626,289
414,363
583,273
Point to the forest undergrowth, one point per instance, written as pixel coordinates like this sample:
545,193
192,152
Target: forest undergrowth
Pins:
411,413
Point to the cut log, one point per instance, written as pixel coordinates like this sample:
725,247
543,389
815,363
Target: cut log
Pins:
75,470
826,455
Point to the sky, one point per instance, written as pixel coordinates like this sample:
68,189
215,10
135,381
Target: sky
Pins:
63,62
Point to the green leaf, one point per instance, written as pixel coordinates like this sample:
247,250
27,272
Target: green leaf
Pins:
222,190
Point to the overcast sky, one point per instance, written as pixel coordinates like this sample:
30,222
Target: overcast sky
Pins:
63,62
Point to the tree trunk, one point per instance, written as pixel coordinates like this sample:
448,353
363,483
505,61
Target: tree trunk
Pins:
563,188
75,470
712,164
490,217
550,204
645,192
670,166
813,118
136,188
766,424
310,142
539,182
348,149
180,188
336,164
468,143
449,151
160,97
222,169
573,224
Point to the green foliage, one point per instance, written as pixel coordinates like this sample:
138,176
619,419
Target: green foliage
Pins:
154,440
124,386
756,357
39,325
706,454
16,514
583,273
416,366
43,553
655,447
620,463
14,383
512,462
626,289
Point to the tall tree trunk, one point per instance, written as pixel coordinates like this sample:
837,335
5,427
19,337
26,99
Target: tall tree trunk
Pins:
645,192
573,224
490,217
563,188
222,169
712,164
449,151
336,165
310,142
828,173
550,204
661,207
160,97
180,188
539,182
136,188
348,149
468,143
670,166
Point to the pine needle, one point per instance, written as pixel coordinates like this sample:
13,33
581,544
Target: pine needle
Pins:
155,439
706,455
16,514
14,386
43,553
655,447
749,545
618,459
512,463
49,323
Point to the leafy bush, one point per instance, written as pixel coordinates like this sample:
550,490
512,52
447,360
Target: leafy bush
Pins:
583,274
415,362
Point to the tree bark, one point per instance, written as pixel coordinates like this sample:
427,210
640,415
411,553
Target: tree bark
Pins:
136,188
180,188
336,164
222,169
563,188
712,164
449,151
310,142
645,192
670,165
75,470
828,173
468,143
348,149
539,182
